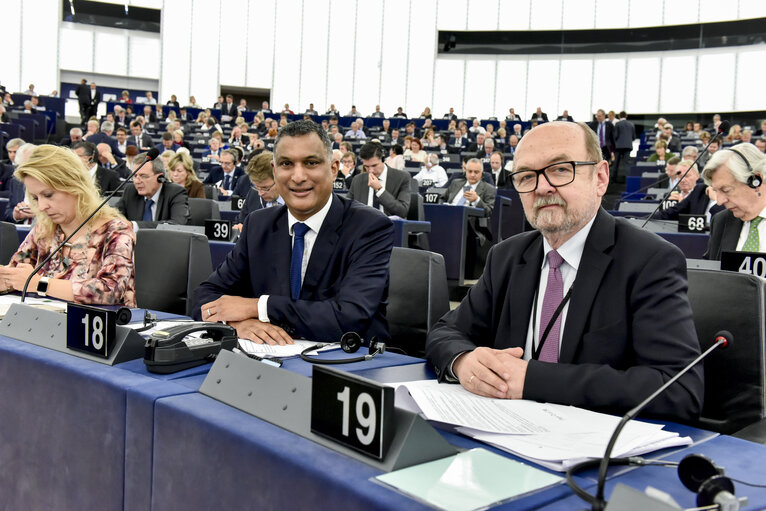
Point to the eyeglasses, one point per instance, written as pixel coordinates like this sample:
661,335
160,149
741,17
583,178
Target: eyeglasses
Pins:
264,189
557,174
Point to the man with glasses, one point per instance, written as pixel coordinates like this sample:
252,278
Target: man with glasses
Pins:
264,193
576,311
151,198
225,176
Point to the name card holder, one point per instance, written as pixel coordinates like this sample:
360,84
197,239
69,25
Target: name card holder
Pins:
749,263
283,398
692,223
48,329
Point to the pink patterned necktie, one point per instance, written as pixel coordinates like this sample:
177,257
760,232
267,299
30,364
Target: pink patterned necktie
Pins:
554,293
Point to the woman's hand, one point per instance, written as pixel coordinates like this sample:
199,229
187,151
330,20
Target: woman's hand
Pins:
13,278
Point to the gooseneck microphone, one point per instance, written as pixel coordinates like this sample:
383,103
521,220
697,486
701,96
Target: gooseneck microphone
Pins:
151,155
722,340
722,128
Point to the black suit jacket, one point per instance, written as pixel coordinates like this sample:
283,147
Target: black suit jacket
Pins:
230,110
17,194
83,94
107,180
216,174
694,204
144,142
396,197
173,205
103,138
629,327
725,229
608,134
503,179
346,283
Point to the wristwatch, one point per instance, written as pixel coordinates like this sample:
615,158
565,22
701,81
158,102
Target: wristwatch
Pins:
42,286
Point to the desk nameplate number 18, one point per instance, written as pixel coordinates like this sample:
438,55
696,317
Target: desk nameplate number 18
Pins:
90,329
353,411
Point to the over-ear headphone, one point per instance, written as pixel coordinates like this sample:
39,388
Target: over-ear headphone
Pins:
754,180
697,472
350,342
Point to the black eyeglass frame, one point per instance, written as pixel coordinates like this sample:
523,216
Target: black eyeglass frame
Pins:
538,172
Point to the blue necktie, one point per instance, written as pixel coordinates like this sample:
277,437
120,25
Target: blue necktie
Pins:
462,200
296,261
226,181
148,217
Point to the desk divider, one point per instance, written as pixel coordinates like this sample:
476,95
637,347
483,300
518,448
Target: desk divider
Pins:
283,398
48,329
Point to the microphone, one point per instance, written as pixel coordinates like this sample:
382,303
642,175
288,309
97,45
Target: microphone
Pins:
721,340
722,128
151,155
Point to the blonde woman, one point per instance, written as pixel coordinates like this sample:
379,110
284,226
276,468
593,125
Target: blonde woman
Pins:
96,265
182,173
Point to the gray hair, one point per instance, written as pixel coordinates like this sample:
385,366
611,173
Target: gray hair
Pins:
157,166
107,126
15,142
689,150
23,153
736,164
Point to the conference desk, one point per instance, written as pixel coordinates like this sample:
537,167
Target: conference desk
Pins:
81,435
449,227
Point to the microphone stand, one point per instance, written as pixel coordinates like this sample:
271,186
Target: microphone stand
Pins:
150,156
721,129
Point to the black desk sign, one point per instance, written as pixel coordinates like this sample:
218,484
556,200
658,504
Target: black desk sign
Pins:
353,411
751,263
431,198
691,223
338,185
237,202
218,230
90,329
667,204
427,182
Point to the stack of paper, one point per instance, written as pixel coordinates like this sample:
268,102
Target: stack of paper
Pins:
554,436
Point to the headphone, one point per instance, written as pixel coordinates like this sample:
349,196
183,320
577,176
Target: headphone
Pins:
697,472
754,180
124,315
350,342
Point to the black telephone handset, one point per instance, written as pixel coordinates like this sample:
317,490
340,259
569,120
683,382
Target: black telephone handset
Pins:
171,350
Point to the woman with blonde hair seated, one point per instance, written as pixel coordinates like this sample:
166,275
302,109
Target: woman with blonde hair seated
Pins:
182,173
96,265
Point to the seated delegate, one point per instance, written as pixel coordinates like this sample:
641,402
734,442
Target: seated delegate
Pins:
182,173
96,266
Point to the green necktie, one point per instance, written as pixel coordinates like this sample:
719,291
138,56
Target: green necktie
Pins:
753,243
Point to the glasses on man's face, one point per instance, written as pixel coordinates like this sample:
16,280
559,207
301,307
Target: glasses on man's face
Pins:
557,174
264,189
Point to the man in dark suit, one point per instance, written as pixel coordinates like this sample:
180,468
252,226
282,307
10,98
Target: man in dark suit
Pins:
501,175
381,186
458,142
105,137
226,176
264,192
478,145
614,341
142,140
167,143
106,180
151,198
93,98
739,187
624,135
539,116
229,110
338,263
75,135
696,203
605,133
83,99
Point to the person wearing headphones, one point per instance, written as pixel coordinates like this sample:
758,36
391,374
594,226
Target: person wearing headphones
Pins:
106,179
151,198
736,178
96,265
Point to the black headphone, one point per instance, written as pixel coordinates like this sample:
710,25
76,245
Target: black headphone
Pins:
350,342
697,472
754,180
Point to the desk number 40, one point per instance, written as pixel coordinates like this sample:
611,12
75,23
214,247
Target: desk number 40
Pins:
366,421
757,267
94,331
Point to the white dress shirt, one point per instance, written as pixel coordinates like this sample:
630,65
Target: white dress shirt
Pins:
743,234
571,252
314,222
382,179
436,174
459,195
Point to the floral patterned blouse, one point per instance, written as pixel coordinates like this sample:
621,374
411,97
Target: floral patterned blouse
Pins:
100,267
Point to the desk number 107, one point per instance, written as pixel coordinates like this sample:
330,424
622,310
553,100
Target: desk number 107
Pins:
94,331
366,421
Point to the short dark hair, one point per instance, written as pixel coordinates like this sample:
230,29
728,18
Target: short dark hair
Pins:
397,149
371,150
88,148
122,128
167,136
499,153
302,128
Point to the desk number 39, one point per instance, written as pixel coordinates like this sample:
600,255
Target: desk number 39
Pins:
366,421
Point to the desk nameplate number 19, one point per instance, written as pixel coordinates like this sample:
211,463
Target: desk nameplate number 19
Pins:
90,329
353,411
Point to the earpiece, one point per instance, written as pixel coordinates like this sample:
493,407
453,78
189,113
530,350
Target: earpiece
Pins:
350,342
124,315
755,180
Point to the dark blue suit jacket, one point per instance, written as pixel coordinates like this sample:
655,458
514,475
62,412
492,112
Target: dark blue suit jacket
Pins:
18,194
346,283
216,174
103,138
694,204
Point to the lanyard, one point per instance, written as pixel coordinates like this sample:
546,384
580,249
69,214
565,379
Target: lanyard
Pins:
536,352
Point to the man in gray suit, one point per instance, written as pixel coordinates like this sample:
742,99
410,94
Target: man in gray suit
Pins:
473,191
380,186
624,135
